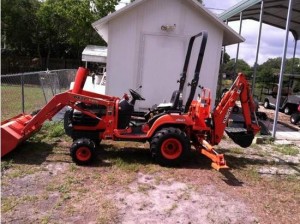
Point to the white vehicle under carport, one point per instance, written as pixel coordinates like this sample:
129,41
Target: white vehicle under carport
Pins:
94,58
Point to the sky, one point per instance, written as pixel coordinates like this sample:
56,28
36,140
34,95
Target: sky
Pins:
272,39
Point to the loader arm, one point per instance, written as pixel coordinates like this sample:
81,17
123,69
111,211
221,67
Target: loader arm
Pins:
17,129
61,100
242,136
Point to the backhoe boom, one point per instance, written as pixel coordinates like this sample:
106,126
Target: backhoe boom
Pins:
239,89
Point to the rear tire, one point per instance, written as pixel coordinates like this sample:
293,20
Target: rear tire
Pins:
295,118
266,104
82,151
287,110
169,146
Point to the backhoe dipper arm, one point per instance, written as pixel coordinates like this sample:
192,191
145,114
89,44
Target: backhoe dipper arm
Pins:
239,89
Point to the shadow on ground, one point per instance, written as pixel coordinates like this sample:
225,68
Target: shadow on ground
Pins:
32,153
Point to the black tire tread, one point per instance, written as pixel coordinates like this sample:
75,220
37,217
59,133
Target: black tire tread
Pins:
268,105
67,122
162,135
79,143
287,110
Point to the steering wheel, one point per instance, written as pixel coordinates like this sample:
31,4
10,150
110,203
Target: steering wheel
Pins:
135,95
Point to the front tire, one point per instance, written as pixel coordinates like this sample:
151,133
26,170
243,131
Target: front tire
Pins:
67,122
82,151
169,146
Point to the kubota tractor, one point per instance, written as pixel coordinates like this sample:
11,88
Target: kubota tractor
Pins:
170,128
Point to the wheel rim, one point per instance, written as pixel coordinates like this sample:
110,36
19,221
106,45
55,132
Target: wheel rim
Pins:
171,148
293,120
83,154
287,110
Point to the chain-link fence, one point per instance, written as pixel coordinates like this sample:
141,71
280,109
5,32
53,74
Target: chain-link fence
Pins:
28,92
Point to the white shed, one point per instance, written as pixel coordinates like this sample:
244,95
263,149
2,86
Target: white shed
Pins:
147,43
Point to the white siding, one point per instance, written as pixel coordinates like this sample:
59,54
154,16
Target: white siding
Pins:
137,44
121,59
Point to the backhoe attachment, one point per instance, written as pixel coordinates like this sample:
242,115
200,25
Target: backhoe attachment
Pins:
241,136
218,161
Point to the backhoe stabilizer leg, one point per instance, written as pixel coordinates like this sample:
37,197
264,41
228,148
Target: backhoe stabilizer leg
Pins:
218,161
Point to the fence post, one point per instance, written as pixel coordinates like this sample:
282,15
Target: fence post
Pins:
23,97
42,85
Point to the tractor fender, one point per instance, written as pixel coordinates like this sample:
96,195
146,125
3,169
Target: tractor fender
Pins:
170,120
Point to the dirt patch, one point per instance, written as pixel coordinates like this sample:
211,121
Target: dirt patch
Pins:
149,201
282,118
41,184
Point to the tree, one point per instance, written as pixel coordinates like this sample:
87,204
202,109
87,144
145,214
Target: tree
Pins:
231,68
18,21
65,25
271,67
268,72
50,27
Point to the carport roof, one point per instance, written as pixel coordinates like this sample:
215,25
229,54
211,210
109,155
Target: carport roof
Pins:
275,13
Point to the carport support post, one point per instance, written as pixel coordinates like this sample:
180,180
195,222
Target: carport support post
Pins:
238,45
258,45
282,67
295,46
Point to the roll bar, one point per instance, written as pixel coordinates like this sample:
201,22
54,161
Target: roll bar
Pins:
195,79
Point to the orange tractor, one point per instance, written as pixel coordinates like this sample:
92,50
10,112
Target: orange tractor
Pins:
170,128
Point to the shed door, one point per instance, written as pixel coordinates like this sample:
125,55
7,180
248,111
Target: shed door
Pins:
162,62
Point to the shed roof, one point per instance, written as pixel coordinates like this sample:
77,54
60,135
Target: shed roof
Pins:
275,13
93,53
230,36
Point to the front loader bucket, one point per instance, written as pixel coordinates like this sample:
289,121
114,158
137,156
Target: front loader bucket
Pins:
12,132
240,136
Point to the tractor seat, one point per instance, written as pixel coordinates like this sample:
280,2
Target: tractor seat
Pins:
173,104
164,108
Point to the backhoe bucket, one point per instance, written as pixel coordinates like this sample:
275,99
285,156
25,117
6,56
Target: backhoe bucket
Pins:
240,136
12,132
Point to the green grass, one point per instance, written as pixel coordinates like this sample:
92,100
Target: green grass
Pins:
6,165
237,150
118,165
55,129
287,149
11,100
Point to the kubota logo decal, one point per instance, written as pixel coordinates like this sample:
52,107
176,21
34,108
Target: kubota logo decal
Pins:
227,115
81,98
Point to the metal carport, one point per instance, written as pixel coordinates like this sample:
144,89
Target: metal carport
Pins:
284,14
